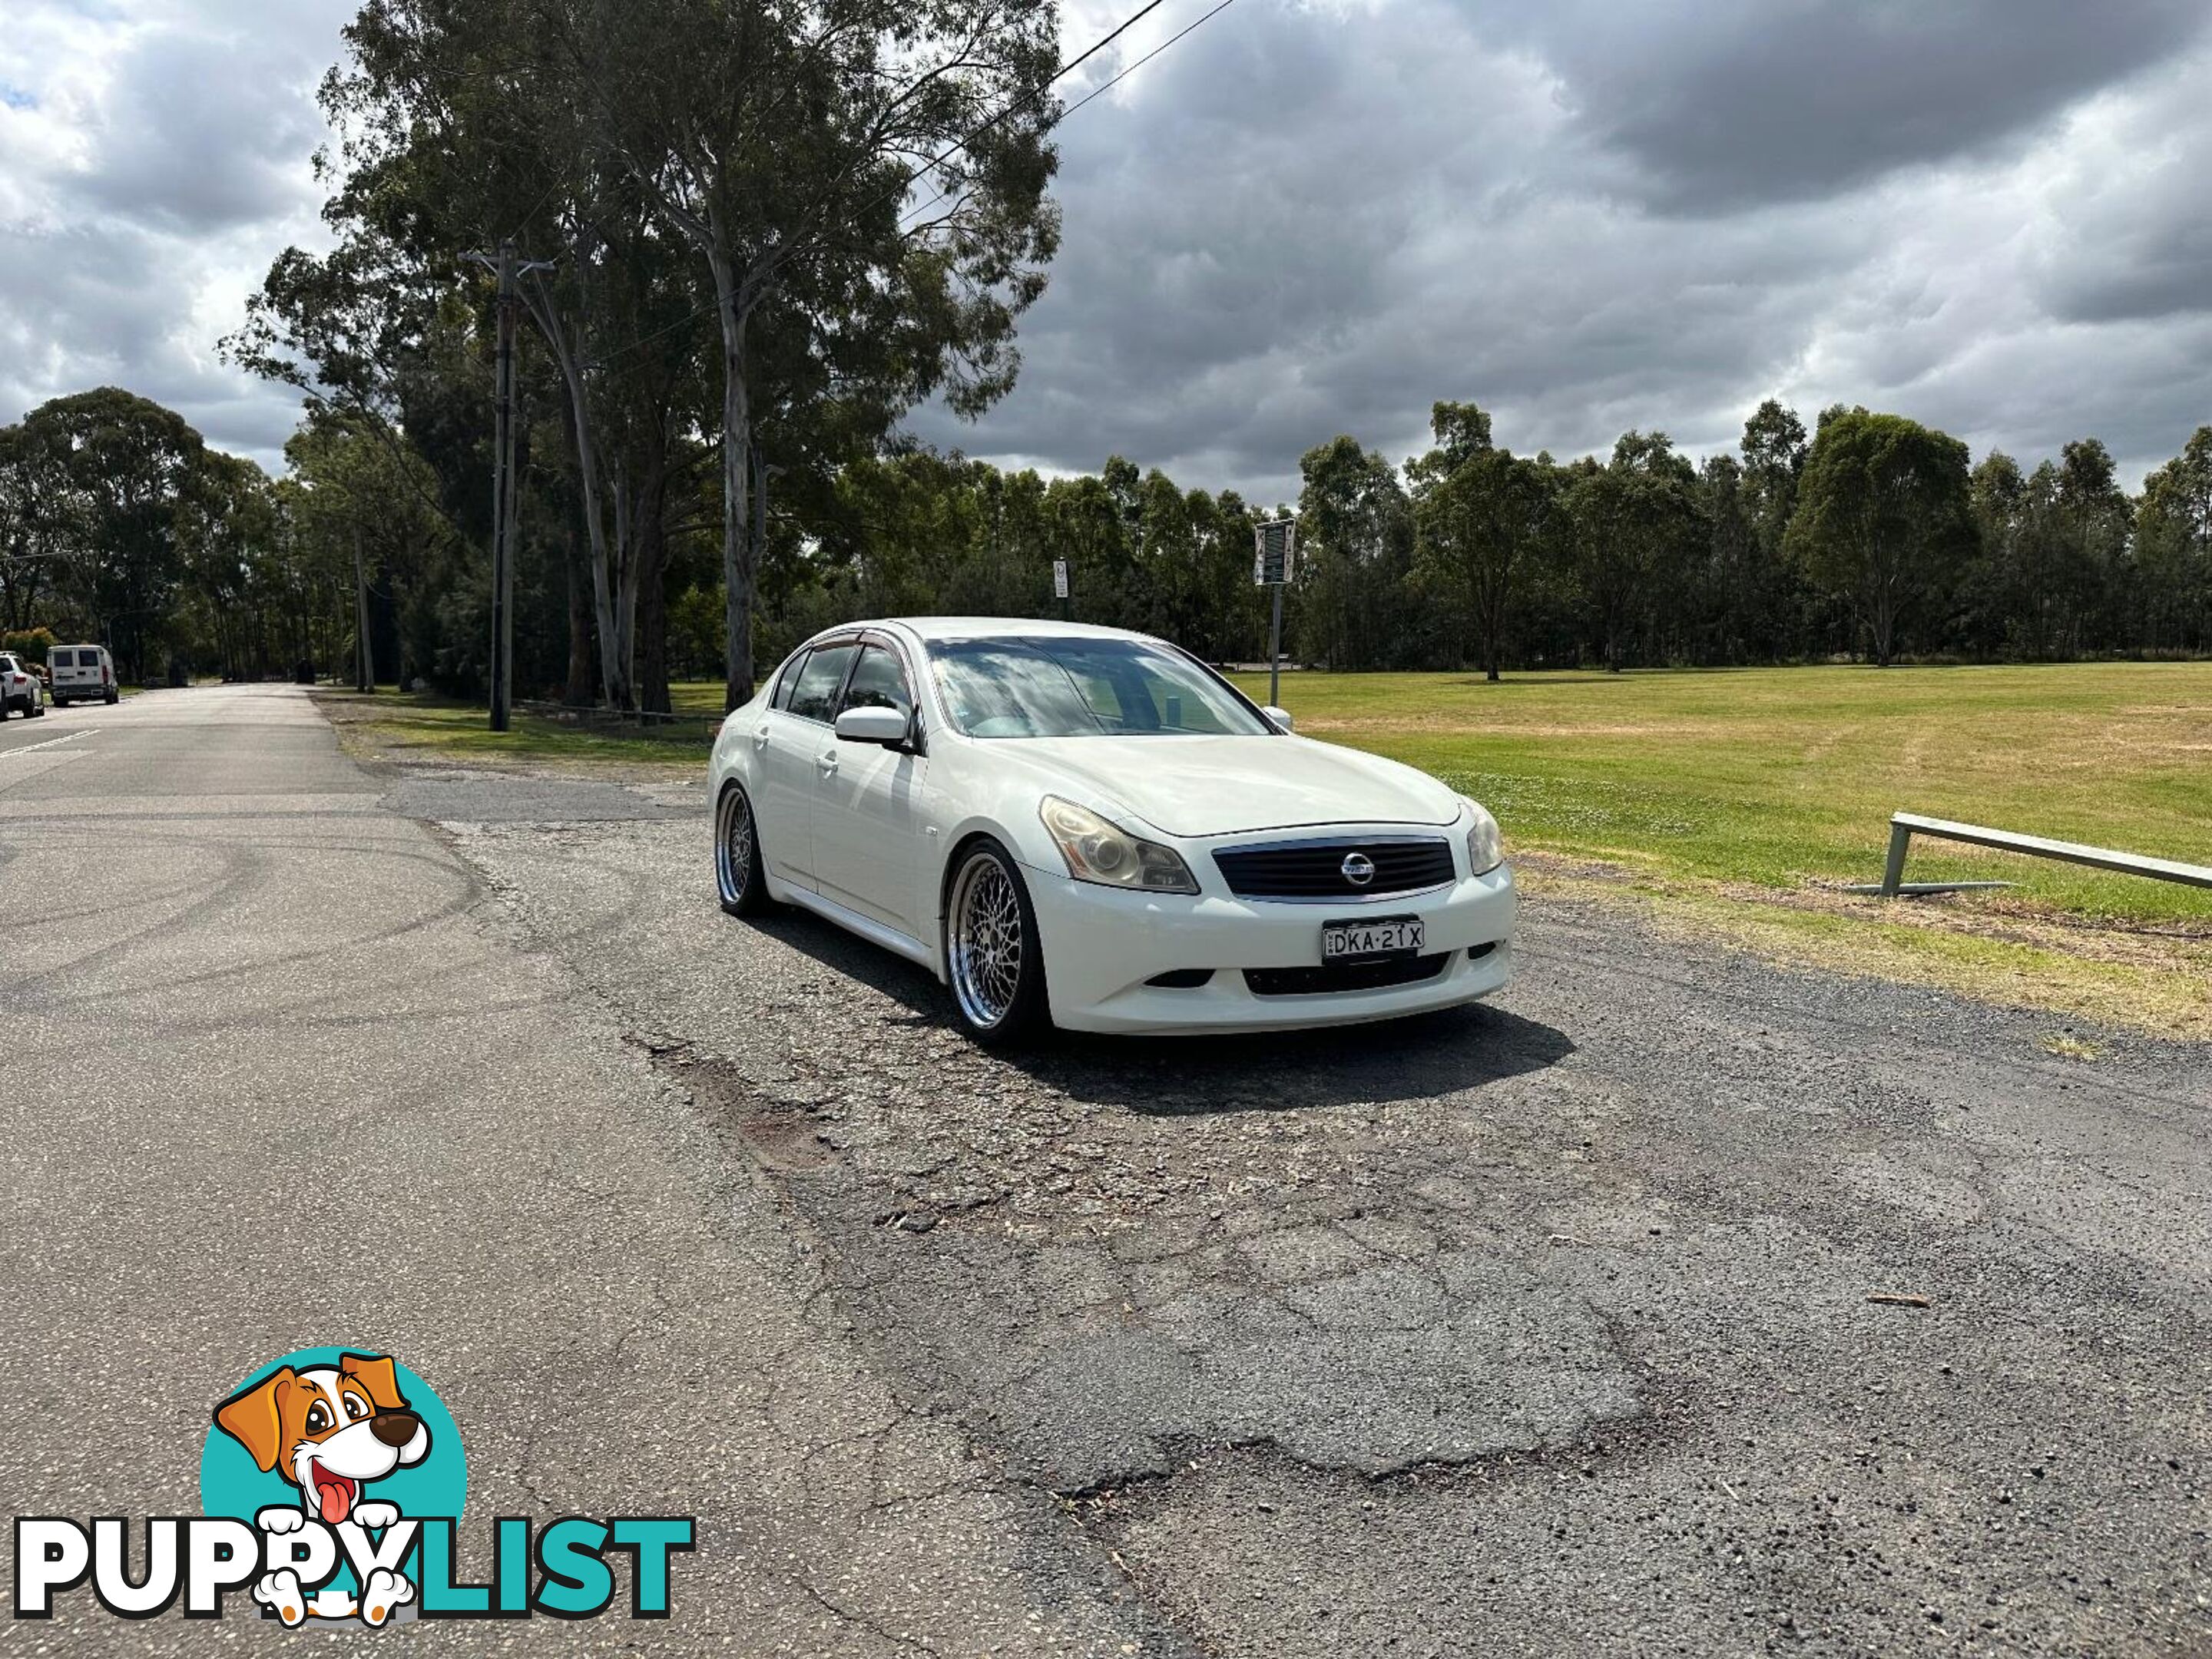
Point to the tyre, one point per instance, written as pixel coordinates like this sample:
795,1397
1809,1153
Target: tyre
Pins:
33,710
112,697
61,702
742,888
990,950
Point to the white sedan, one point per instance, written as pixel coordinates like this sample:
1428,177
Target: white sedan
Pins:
1090,829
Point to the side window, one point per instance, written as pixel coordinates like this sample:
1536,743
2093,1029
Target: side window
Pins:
815,697
879,682
787,679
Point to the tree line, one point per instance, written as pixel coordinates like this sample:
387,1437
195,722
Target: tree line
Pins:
757,239
1870,536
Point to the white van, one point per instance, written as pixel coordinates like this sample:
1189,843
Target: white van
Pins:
79,673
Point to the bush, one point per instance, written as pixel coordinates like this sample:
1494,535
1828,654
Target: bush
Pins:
30,644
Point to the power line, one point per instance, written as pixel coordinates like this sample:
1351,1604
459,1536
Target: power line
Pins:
955,148
1104,86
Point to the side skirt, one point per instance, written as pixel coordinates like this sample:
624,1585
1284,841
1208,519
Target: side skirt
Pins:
852,921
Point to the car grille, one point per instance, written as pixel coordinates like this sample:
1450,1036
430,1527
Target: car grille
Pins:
1314,870
1343,976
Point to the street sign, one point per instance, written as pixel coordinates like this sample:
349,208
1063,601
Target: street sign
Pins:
1060,579
1274,552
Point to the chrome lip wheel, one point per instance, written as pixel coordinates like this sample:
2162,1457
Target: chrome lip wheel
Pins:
987,941
733,846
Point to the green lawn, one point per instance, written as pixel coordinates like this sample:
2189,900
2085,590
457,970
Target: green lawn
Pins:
1786,777
1738,802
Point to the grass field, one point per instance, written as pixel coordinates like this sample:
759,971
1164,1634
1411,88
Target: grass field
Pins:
1745,798
419,726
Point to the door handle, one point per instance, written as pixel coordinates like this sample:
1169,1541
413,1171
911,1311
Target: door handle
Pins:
760,737
827,762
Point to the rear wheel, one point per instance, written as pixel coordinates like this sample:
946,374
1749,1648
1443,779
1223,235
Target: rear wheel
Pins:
111,697
36,706
990,950
737,856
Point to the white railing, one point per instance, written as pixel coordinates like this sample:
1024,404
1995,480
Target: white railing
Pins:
1903,826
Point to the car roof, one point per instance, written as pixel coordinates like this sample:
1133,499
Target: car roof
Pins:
985,628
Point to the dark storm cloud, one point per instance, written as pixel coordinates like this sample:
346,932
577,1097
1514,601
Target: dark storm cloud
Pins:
1314,219
1719,106
1316,216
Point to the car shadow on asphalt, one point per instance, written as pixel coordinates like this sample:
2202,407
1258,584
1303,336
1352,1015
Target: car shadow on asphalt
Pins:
1419,1057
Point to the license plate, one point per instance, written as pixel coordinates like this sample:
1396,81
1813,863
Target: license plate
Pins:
1387,936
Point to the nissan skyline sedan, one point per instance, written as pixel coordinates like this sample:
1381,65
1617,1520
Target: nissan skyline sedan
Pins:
1089,829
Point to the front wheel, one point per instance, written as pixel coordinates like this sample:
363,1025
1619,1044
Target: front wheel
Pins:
737,875
990,950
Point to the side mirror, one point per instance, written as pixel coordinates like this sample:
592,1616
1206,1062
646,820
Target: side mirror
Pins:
884,725
1279,717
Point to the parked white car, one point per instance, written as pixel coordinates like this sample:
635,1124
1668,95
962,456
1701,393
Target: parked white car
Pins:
20,689
81,672
1090,829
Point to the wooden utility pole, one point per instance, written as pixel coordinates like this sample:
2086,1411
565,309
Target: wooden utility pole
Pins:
364,663
502,503
504,486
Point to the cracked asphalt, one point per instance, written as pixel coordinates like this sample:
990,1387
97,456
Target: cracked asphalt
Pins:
1542,1327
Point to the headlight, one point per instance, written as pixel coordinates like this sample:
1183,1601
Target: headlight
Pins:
1097,851
1485,848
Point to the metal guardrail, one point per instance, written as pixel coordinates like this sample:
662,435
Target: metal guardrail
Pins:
1903,826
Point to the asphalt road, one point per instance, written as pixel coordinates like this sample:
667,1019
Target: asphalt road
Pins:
1542,1327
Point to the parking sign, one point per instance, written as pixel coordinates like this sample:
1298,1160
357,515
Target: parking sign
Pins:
1274,552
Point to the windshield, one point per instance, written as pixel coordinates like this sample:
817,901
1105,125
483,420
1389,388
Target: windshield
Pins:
1051,686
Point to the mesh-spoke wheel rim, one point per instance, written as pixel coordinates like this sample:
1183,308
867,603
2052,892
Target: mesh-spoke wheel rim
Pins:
987,941
733,847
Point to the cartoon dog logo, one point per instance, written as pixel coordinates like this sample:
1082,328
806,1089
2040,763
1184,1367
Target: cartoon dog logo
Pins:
332,1430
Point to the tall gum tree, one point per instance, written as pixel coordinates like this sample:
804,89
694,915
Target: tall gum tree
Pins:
1883,516
865,181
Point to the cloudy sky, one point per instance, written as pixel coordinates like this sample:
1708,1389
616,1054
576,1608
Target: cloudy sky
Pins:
1319,217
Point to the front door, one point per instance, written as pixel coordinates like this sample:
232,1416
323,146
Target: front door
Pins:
788,744
867,816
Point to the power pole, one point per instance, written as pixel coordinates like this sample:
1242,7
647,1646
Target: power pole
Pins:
502,497
364,665
503,482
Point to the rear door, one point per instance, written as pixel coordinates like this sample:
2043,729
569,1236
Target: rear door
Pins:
867,816
787,744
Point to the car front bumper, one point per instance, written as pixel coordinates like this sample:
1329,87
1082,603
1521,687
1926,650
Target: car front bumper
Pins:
1100,945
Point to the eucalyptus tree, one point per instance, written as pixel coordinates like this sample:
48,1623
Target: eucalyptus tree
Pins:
128,468
2173,549
1478,526
788,145
1636,530
1355,550
1883,516
36,508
